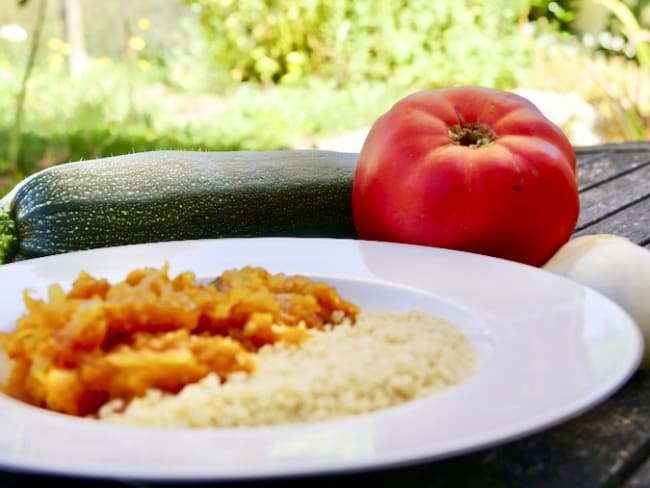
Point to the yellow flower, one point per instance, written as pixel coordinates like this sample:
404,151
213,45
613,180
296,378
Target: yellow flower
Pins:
5,69
144,24
236,74
54,44
55,62
136,43
103,61
144,64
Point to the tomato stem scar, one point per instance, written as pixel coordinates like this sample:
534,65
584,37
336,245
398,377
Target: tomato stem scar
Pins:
473,134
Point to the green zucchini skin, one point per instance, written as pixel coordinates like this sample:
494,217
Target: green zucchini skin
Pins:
179,195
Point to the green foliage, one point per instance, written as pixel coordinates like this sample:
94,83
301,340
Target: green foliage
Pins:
632,118
558,13
8,239
407,41
261,74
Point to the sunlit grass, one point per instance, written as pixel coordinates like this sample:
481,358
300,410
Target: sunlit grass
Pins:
112,110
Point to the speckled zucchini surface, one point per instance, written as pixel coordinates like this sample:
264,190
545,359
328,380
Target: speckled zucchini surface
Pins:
178,195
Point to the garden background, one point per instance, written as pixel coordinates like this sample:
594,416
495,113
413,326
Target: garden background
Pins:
82,79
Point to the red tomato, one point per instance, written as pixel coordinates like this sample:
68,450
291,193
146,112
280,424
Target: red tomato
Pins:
468,168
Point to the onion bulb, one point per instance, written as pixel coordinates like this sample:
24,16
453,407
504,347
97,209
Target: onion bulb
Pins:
614,266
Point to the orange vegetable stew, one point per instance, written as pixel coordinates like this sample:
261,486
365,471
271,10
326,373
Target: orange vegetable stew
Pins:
101,341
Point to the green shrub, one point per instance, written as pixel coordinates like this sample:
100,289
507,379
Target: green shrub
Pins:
407,41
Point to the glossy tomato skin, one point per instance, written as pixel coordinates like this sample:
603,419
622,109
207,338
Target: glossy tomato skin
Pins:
514,197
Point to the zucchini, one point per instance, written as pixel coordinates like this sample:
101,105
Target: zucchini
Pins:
178,195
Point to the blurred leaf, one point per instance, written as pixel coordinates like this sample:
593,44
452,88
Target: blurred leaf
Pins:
417,41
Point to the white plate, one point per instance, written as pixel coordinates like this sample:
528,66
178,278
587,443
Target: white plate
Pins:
548,348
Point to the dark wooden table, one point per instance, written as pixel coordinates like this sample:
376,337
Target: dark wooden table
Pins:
607,446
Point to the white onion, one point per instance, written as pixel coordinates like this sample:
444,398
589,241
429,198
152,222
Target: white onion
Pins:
616,267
